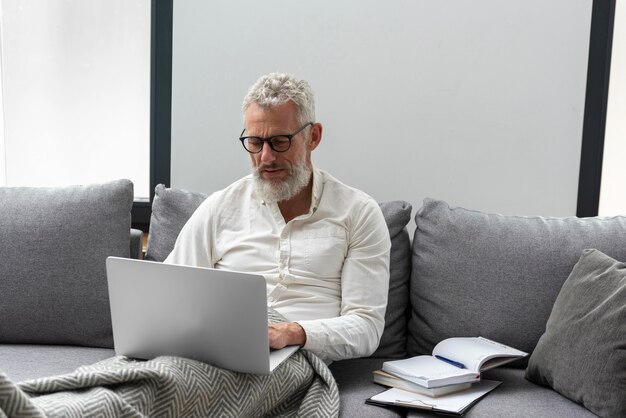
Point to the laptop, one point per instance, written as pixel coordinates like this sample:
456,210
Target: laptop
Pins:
215,316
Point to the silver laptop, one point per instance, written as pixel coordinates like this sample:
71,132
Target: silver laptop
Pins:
215,316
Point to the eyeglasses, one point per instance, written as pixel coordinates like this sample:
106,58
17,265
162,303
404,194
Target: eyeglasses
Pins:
278,143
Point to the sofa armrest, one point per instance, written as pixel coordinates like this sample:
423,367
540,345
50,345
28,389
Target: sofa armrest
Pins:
136,241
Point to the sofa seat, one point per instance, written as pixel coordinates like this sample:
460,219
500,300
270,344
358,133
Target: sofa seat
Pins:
518,397
515,397
25,361
354,380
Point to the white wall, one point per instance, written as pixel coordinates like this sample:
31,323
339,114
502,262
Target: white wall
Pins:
478,102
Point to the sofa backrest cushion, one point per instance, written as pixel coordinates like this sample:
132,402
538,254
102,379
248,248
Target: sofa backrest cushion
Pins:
496,276
171,208
393,342
53,247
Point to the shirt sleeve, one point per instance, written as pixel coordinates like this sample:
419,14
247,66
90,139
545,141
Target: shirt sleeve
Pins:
194,245
357,330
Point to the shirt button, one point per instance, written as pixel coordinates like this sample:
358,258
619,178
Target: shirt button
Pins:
270,299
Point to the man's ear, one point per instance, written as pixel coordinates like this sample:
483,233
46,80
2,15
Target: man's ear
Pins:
316,136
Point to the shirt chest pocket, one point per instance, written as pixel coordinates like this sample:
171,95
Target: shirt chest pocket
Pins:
323,250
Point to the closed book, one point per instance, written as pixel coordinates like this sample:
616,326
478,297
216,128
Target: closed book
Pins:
454,361
389,380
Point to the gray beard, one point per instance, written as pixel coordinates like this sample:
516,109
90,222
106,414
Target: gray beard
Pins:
280,190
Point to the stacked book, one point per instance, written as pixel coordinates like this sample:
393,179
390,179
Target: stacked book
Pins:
453,370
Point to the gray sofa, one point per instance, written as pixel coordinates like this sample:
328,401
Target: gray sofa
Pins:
465,273
55,312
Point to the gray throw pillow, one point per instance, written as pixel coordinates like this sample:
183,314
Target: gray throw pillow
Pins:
484,274
171,208
393,341
582,354
53,247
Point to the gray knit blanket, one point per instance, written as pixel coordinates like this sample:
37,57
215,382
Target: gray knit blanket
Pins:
302,386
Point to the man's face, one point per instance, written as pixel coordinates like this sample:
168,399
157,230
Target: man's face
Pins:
265,122
280,175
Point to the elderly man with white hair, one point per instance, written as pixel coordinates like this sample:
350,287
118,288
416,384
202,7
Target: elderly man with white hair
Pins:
322,246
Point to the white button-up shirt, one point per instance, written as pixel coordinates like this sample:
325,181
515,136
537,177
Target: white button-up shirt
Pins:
327,270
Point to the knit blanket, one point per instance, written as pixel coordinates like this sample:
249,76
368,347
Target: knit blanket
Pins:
302,386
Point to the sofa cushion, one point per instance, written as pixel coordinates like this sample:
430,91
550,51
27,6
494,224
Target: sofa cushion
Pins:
393,341
171,208
354,380
24,361
517,397
482,274
582,354
53,246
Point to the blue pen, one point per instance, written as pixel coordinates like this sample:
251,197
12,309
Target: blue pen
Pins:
452,362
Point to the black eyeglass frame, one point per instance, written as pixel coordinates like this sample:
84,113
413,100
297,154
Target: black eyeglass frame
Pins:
270,139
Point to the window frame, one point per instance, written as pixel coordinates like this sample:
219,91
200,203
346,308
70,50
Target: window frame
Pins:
596,100
160,107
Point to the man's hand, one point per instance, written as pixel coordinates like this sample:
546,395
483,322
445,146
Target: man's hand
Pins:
284,334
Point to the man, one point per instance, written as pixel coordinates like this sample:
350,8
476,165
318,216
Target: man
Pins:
322,246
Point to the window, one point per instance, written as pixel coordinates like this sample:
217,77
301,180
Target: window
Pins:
76,92
613,184
86,94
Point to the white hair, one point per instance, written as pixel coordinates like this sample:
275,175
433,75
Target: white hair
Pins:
276,88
